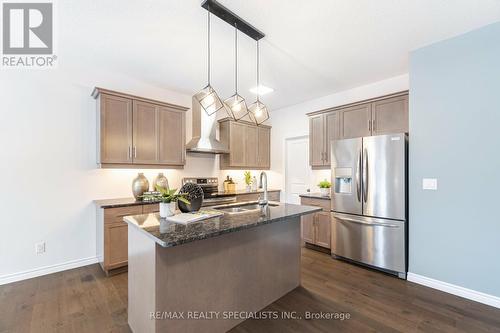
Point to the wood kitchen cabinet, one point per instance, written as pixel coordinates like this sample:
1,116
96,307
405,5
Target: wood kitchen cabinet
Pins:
383,115
390,115
322,129
171,136
135,132
355,121
308,228
316,228
112,235
272,195
249,145
264,147
145,133
115,124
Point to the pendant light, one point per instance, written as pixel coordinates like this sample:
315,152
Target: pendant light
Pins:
258,111
207,97
236,104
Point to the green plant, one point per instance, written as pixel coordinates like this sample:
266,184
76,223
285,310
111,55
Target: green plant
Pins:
324,184
167,196
248,177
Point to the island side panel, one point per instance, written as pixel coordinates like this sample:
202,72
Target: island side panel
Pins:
240,271
141,281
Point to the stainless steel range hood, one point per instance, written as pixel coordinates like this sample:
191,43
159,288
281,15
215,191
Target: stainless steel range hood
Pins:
204,133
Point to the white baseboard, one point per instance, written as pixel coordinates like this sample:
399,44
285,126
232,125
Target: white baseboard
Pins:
455,290
9,278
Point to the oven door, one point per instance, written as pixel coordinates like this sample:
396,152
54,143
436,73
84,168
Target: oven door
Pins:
372,241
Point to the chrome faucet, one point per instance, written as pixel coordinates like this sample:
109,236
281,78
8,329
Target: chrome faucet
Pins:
263,184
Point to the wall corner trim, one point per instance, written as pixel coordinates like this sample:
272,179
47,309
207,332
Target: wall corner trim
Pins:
24,275
455,290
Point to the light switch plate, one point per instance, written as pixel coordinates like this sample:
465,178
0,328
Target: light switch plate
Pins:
430,184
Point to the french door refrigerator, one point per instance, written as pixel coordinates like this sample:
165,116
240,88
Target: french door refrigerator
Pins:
369,201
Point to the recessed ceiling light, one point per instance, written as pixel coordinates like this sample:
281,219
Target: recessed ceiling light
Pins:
261,90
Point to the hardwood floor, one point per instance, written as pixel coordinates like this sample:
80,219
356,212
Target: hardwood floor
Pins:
85,300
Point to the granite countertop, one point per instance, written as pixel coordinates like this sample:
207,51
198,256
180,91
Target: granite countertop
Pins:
239,192
121,202
315,196
169,234
125,202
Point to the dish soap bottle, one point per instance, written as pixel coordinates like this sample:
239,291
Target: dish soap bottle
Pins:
254,184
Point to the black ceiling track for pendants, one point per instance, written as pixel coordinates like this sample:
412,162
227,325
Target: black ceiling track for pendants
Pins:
234,20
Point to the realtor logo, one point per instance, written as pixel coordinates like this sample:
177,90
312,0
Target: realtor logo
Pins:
28,29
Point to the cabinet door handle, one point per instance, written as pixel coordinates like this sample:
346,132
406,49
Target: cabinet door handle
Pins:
370,125
135,152
373,126
129,152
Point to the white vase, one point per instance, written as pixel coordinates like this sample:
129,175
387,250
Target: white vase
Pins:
167,209
248,188
324,191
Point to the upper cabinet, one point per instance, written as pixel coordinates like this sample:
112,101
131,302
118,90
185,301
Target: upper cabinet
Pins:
264,147
382,115
322,129
138,132
249,145
114,123
390,115
356,121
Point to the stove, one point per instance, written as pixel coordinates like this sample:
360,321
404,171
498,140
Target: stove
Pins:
211,194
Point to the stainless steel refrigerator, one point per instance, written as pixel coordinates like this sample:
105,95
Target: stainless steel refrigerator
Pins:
369,201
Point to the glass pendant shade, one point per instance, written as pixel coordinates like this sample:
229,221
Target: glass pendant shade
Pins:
209,100
258,112
236,106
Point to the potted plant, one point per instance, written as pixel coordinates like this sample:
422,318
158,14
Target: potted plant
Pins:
324,187
168,199
248,181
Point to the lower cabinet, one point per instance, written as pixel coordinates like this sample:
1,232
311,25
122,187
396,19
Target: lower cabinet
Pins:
112,235
271,196
316,228
115,245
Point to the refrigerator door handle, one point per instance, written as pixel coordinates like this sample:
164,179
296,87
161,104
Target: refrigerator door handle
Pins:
365,176
358,180
371,224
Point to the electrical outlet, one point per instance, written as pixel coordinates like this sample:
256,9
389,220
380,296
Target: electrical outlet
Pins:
430,184
40,248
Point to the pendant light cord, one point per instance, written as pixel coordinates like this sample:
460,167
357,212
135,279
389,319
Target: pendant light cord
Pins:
258,71
236,58
208,47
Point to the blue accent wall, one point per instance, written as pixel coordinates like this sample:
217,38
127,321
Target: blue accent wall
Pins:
454,232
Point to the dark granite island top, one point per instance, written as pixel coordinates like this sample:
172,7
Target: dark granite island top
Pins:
169,234
237,262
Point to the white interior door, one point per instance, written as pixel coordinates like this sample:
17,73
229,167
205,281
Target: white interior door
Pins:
297,170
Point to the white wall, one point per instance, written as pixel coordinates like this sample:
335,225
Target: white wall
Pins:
292,122
48,170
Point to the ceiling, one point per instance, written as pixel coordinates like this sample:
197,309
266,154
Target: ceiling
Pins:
311,49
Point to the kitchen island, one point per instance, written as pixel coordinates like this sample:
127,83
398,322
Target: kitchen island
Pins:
209,276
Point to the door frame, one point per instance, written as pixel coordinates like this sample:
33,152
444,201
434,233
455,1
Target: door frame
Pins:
285,197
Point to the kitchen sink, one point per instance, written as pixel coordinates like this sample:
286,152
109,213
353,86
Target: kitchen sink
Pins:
242,207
